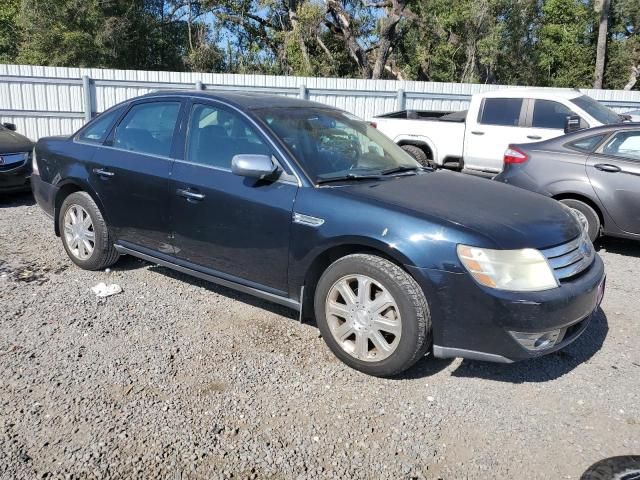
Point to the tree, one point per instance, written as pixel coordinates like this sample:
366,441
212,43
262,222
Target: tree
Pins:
601,49
565,50
10,31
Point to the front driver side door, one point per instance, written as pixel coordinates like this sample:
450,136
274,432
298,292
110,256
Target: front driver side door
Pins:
614,171
232,226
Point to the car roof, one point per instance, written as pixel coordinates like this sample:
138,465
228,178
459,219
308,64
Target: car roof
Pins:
543,93
246,100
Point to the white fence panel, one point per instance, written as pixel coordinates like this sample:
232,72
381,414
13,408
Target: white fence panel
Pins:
45,101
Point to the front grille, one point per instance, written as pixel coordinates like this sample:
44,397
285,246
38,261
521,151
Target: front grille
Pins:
570,259
9,161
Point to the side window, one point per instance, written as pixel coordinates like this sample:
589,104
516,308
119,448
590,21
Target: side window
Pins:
624,144
148,128
501,111
587,144
99,128
548,114
216,135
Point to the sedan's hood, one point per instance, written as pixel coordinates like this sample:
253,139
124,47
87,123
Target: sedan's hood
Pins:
12,142
507,216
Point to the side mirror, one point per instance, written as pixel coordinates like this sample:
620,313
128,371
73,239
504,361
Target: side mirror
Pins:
10,126
253,166
572,123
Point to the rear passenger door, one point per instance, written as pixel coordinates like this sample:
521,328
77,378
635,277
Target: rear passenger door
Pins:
614,171
225,224
498,124
130,173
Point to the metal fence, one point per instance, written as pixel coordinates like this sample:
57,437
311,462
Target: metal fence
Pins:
44,101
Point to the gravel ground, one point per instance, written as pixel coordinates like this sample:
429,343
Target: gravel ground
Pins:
179,378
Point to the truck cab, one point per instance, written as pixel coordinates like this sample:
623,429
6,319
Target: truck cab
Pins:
497,119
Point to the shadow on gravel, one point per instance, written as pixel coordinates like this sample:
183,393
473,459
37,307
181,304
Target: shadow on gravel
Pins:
16,200
424,368
546,368
620,246
227,292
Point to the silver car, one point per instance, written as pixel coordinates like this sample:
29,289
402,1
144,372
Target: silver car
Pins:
595,172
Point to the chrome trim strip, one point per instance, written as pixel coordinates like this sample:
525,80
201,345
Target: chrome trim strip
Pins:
562,249
570,258
566,260
308,220
272,297
571,270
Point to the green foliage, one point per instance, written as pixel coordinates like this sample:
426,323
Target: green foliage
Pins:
10,31
530,42
566,50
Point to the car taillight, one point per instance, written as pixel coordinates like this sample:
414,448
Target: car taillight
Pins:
34,163
373,124
513,155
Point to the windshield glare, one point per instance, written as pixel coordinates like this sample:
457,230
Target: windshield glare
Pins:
603,114
329,143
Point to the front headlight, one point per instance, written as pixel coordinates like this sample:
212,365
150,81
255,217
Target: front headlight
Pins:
523,270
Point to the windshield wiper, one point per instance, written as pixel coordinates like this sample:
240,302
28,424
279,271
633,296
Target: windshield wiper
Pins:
348,176
391,171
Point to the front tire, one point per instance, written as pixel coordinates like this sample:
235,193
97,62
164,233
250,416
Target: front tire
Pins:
372,315
587,215
85,234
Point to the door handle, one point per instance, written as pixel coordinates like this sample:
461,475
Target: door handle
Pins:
189,195
477,133
607,167
103,173
534,137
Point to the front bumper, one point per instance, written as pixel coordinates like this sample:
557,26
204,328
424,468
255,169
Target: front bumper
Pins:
15,179
474,322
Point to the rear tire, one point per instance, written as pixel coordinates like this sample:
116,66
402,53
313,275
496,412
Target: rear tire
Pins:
85,234
387,308
587,214
418,154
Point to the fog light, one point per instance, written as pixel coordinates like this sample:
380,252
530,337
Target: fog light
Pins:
537,341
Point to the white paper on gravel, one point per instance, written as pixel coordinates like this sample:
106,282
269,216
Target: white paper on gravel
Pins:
102,290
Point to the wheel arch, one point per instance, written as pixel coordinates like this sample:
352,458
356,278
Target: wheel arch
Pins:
66,188
330,254
427,147
585,199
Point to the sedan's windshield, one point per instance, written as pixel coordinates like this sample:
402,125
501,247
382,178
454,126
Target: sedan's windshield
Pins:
330,144
603,114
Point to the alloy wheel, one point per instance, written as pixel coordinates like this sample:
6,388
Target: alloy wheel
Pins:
79,232
363,318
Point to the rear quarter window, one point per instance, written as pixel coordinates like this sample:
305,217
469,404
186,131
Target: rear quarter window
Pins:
587,144
99,128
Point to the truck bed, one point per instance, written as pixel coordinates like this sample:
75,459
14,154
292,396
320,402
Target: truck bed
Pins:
428,115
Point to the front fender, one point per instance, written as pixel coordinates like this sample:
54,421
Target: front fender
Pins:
417,140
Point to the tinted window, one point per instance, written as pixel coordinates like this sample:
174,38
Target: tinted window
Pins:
501,111
148,128
98,130
216,135
548,114
598,111
625,144
587,144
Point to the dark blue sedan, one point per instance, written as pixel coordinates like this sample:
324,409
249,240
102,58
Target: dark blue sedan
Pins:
310,207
